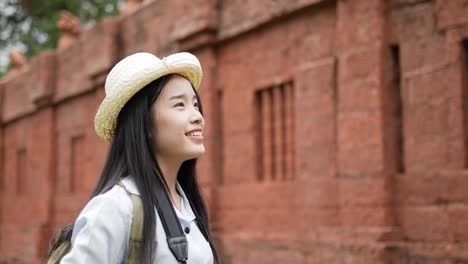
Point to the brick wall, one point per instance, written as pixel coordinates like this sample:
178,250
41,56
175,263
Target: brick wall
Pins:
336,130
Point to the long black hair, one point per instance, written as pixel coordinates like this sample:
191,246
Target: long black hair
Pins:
132,153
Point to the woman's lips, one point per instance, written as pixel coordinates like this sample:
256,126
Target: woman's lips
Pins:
197,139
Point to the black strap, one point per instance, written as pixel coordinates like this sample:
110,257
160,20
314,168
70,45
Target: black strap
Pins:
176,239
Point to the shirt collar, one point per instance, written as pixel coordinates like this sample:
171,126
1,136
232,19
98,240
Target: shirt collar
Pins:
186,213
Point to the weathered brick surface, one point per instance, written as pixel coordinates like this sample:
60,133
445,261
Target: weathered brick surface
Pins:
451,13
315,95
194,17
410,21
79,156
239,123
236,17
27,90
150,29
27,172
301,251
81,64
334,129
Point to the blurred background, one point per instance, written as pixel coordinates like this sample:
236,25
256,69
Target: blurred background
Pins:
31,26
336,130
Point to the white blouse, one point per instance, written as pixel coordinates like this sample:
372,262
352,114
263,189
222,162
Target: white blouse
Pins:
101,231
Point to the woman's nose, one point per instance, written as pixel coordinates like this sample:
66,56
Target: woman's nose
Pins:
196,117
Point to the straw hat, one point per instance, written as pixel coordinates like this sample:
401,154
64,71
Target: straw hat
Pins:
134,72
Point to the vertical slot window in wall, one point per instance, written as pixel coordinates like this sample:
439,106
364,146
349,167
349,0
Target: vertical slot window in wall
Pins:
289,131
266,134
219,124
275,133
258,135
465,98
278,132
75,163
397,109
21,171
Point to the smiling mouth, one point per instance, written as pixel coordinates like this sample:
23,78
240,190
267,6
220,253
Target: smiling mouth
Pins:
194,134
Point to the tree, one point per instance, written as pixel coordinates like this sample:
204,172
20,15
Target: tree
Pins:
31,24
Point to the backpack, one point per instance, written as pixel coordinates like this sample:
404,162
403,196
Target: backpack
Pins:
136,235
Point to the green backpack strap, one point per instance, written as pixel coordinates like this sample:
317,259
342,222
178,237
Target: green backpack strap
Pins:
136,233
59,253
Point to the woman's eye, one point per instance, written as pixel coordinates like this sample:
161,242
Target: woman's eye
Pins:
179,104
196,105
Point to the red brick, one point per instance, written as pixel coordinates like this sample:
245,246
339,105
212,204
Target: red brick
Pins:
434,86
426,153
260,250
360,143
29,88
315,119
238,119
321,162
428,223
101,47
17,248
411,21
343,203
274,66
430,119
238,165
453,187
234,222
404,2
318,193
237,16
15,99
457,222
433,103
359,95
317,39
371,216
451,13
360,64
246,195
419,189
360,23
423,52
203,16
365,191
149,29
24,213
315,81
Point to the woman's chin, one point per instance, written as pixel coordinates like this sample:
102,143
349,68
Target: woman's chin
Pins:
195,153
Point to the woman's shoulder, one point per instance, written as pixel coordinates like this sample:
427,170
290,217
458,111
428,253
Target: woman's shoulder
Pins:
115,199
114,205
102,230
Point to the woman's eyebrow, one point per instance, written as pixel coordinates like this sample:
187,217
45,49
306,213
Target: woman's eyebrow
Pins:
180,96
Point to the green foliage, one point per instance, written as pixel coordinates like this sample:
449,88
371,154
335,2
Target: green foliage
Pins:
31,24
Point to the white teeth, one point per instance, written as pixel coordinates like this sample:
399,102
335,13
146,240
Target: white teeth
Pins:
195,134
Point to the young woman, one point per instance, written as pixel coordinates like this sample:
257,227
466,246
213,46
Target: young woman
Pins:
153,117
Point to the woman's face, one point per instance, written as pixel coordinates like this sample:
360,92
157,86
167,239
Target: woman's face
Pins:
178,121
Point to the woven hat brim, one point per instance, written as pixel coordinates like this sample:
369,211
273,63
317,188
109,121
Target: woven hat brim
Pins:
105,120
